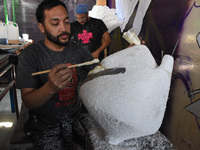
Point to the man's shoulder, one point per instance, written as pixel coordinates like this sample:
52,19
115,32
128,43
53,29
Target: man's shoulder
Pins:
99,23
96,19
74,23
34,47
35,44
74,26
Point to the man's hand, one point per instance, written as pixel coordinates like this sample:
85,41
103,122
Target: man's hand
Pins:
59,77
105,42
95,54
141,41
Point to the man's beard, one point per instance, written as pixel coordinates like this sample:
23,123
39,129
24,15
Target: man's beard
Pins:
56,40
85,22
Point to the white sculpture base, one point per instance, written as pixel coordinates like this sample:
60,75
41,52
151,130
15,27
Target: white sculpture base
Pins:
156,141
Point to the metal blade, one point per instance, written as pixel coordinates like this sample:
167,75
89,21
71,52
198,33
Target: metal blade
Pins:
175,47
111,71
194,108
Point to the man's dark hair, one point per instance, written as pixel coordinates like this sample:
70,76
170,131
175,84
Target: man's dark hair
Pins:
47,5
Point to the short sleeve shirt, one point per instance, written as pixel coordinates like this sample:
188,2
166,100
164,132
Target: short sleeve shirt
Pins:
90,35
38,57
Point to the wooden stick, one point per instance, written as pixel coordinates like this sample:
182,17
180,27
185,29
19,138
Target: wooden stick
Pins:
71,66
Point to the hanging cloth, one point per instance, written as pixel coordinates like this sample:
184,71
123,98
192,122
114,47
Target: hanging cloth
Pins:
141,11
125,9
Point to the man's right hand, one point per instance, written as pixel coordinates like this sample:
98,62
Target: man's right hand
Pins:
59,76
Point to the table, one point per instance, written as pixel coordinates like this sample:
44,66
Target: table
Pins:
8,57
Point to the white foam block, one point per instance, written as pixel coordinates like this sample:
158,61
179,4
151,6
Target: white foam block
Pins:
107,15
132,104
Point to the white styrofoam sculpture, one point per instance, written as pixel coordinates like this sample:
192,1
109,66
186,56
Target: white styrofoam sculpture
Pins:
107,15
132,104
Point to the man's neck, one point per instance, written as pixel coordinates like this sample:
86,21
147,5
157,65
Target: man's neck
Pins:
53,46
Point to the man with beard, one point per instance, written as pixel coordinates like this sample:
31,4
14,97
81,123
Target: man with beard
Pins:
90,33
52,99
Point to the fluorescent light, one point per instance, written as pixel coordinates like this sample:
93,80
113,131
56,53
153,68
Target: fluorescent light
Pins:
6,124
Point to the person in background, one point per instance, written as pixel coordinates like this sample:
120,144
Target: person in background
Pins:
90,33
52,98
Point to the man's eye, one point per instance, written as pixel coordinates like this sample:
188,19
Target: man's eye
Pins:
55,24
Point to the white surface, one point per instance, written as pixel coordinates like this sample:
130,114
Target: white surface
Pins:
5,102
107,15
125,8
25,36
12,31
132,104
140,14
3,30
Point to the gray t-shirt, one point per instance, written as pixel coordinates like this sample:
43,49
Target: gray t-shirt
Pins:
37,57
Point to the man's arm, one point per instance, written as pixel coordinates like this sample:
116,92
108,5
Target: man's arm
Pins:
59,77
105,42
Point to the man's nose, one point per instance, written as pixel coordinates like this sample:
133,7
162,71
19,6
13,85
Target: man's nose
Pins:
64,27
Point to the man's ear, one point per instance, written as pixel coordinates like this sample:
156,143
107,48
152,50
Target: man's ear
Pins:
41,27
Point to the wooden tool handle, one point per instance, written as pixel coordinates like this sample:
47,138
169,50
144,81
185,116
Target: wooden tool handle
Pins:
71,66
41,72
